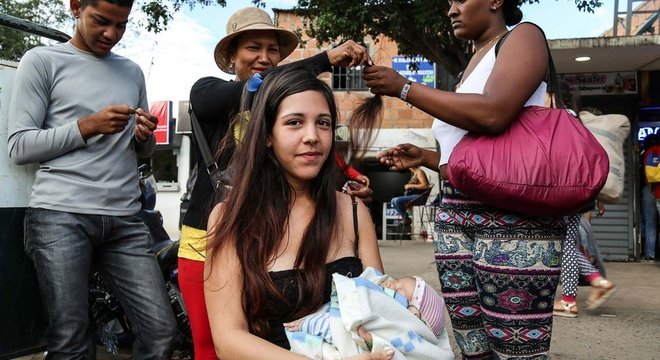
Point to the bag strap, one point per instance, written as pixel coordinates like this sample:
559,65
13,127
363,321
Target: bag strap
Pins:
552,80
355,223
209,164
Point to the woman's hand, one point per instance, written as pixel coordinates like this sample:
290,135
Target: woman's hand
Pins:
349,54
293,325
401,157
382,80
361,191
363,180
601,208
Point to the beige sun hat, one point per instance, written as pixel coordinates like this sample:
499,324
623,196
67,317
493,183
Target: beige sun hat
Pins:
247,19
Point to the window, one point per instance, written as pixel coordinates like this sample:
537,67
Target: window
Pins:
344,79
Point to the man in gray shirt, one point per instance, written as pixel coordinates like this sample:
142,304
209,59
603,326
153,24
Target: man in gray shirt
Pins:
77,109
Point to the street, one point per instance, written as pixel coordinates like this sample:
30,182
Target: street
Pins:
625,327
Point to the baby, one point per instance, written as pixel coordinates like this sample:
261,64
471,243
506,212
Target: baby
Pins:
411,292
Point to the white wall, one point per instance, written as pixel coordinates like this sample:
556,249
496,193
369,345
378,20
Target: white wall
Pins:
15,181
168,198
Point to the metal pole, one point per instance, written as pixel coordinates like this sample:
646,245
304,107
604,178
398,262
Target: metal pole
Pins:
33,28
629,17
615,27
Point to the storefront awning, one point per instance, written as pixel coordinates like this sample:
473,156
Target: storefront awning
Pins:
622,53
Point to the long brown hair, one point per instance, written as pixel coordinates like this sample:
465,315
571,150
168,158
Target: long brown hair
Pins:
362,122
256,210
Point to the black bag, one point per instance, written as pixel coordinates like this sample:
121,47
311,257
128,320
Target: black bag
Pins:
221,180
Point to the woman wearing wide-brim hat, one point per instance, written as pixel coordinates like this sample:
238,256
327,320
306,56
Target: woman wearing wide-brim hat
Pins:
253,44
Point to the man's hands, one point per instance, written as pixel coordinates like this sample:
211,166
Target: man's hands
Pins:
145,124
349,54
113,119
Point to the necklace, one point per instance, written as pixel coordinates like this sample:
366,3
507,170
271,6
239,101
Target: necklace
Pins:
490,42
478,51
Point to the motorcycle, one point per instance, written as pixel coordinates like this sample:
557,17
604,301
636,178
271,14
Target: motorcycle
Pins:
109,324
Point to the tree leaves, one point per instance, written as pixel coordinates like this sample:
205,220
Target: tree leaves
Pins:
14,43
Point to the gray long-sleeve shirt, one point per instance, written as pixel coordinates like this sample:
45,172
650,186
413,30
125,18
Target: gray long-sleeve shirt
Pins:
55,86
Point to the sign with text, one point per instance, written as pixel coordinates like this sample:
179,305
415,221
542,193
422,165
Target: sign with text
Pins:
615,83
163,111
425,73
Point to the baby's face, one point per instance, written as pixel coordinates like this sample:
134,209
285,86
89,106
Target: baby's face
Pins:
405,286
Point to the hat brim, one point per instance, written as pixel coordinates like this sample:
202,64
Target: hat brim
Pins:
288,42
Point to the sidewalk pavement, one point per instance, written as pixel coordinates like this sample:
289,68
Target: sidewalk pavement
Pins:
627,326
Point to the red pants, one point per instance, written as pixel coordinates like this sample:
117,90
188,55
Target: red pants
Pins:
191,283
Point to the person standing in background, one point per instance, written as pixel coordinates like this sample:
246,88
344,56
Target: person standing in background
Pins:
650,194
78,110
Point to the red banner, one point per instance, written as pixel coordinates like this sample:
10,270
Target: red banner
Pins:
162,110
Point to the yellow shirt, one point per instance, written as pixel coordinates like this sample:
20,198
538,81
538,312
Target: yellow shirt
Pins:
192,245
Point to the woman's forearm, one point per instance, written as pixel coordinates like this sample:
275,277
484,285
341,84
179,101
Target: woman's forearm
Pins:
430,159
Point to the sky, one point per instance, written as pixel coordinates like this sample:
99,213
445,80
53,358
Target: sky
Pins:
174,59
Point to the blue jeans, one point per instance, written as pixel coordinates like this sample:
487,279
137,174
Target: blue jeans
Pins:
650,245
650,214
399,204
64,246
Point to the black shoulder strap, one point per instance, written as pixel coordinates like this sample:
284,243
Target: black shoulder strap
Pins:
500,42
209,164
552,80
355,223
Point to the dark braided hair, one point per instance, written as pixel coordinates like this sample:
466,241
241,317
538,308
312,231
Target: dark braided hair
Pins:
512,13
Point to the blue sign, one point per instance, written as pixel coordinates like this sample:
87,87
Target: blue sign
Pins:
425,73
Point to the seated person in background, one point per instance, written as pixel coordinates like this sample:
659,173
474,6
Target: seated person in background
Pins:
416,186
326,333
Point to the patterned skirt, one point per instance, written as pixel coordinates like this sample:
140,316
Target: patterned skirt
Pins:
499,272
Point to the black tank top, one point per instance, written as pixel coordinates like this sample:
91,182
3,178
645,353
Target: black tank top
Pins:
286,281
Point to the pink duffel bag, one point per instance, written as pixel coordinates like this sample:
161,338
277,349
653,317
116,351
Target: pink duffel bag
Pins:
546,163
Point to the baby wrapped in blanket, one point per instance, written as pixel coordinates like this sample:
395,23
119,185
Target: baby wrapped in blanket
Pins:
374,312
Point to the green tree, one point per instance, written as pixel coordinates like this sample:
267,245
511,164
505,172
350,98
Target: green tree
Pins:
159,13
14,43
54,13
419,27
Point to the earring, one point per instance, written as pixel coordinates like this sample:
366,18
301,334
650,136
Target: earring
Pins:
494,8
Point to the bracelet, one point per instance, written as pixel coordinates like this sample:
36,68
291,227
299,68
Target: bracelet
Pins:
405,89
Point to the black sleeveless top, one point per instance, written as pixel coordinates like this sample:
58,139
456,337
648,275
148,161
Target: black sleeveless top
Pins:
286,281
